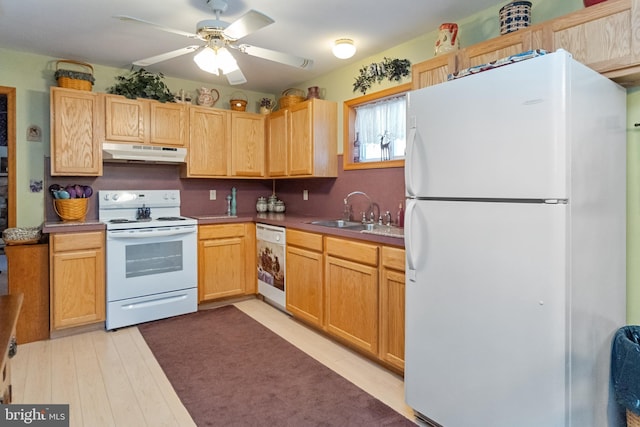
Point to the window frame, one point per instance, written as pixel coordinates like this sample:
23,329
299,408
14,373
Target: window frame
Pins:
349,133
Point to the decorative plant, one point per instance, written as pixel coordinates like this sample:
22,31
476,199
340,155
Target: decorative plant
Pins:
391,69
142,84
266,102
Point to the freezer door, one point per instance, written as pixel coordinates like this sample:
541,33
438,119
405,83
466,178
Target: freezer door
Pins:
497,134
485,313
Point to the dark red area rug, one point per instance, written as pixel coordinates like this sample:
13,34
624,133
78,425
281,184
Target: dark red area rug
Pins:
229,370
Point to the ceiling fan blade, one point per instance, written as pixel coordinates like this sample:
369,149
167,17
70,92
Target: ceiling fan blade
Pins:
247,24
126,18
165,56
272,55
236,77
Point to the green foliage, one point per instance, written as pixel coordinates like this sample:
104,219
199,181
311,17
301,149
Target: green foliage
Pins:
391,69
142,84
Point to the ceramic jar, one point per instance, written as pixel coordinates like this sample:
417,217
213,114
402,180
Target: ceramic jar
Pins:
261,205
447,38
279,206
514,16
271,203
207,97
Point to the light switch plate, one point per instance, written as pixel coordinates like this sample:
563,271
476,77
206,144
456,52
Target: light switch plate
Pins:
212,194
305,194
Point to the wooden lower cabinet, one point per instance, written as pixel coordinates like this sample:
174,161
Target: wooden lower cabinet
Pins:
28,274
305,278
392,306
77,277
226,261
351,285
352,290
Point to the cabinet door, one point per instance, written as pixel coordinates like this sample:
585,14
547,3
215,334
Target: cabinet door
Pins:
304,284
433,71
501,47
168,124
77,279
125,119
209,153
352,302
221,271
278,138
75,133
247,144
392,311
301,145
604,37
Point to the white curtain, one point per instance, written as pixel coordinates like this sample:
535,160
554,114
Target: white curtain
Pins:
380,123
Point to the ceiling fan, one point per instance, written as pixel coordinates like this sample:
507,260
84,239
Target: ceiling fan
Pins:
218,36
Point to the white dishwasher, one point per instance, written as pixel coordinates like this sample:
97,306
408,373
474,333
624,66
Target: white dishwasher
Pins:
271,250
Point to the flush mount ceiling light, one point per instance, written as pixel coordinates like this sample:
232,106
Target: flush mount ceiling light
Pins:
344,48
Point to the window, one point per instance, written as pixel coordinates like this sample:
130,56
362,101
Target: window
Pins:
375,129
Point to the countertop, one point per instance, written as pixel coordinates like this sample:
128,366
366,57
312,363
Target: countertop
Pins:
278,219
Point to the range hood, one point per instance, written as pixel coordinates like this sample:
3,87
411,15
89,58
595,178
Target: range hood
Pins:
112,152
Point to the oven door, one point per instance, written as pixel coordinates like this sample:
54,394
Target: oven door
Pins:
149,261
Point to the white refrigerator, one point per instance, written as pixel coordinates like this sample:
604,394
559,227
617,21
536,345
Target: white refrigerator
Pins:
515,236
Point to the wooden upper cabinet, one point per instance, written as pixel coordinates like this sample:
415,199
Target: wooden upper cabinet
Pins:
500,47
124,119
247,144
143,121
76,135
209,143
168,124
305,136
278,137
433,71
605,37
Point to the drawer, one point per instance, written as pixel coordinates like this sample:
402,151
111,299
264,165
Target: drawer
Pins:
393,258
361,252
74,241
311,241
219,231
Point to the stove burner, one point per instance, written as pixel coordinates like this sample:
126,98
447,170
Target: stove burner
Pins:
170,218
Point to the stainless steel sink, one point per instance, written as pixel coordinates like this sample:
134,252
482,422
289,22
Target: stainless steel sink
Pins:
383,230
340,223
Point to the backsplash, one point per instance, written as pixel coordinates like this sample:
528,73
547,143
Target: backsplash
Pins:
326,195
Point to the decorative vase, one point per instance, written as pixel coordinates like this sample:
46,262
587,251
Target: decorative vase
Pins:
261,205
207,97
265,110
514,16
314,92
447,38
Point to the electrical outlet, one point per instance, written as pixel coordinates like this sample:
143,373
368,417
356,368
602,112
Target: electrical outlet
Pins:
212,194
305,194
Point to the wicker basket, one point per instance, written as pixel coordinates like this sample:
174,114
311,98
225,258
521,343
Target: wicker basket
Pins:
238,101
291,96
80,80
71,209
21,235
633,420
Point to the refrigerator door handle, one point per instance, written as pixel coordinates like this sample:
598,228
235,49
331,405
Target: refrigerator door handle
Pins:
410,250
409,156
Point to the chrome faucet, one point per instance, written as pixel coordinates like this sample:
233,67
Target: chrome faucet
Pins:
347,209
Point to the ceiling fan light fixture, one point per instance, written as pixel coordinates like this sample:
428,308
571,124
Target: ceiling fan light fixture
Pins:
211,59
344,48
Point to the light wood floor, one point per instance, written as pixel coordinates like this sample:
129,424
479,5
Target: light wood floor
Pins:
112,378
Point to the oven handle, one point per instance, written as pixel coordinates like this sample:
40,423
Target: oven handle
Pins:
145,234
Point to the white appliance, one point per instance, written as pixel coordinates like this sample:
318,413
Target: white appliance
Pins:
271,249
151,256
515,238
